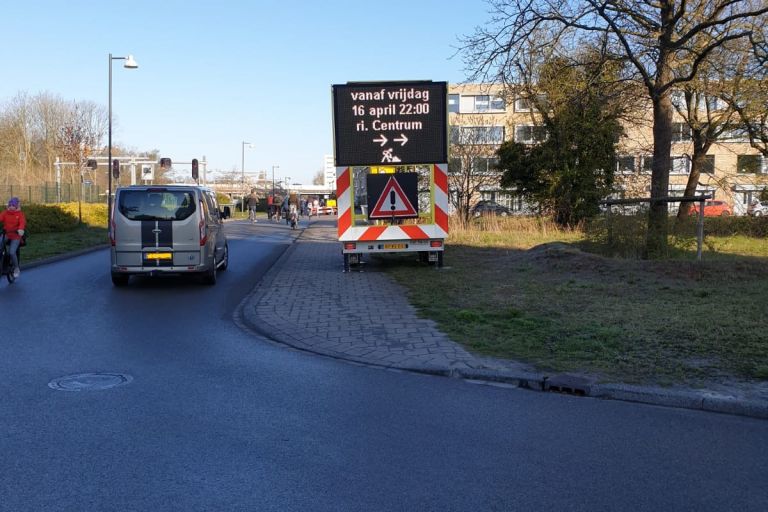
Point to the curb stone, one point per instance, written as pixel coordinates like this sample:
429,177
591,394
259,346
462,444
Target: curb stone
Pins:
259,318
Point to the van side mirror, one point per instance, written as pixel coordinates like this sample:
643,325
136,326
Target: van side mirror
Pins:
226,213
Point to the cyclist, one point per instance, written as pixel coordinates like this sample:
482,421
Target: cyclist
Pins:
14,223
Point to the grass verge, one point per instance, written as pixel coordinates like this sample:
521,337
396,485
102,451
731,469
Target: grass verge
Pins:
46,245
520,293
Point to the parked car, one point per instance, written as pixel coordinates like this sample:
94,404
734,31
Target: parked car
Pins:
713,209
167,229
490,208
758,208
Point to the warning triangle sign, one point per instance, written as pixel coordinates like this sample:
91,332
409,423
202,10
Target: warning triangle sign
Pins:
392,203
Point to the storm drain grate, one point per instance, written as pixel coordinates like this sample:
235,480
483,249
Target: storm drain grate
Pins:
569,384
90,381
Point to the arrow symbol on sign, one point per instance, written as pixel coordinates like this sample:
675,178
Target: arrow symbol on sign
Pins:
402,140
382,139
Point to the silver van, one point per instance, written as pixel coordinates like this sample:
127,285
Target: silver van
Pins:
167,229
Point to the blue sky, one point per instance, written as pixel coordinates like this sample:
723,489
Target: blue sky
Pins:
215,73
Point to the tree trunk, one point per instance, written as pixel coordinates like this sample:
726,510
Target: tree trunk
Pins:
697,163
656,242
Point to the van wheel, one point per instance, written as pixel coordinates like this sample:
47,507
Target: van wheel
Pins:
225,259
210,276
120,279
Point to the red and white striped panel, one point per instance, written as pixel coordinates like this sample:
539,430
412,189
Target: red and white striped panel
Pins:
349,232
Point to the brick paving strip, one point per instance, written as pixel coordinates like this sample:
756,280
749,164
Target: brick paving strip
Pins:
305,301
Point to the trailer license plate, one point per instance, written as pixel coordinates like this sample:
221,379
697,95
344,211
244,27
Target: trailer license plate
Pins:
158,256
394,246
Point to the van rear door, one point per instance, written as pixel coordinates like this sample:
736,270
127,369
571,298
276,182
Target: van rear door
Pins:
157,227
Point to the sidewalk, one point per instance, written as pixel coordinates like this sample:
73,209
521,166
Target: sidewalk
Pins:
364,317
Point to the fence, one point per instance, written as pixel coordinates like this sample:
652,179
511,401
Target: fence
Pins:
50,193
609,204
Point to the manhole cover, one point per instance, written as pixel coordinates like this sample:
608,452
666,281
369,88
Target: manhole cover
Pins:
90,381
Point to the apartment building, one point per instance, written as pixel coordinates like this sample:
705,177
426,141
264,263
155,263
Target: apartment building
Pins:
483,116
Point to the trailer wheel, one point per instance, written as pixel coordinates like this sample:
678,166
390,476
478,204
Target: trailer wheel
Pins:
440,259
346,263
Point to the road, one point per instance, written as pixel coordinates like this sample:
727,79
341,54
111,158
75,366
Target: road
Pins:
214,418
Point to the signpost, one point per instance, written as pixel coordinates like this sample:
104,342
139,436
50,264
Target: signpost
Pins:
397,130
397,123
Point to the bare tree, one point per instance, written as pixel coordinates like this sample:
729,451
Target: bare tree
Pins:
319,178
35,130
749,94
471,162
80,135
660,39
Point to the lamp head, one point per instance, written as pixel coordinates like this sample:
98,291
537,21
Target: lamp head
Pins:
130,63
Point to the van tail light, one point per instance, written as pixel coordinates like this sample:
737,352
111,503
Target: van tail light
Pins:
435,243
350,246
203,233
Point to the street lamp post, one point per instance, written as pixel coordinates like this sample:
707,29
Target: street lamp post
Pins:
273,180
242,167
130,63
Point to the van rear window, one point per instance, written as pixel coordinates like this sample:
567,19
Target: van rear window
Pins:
156,204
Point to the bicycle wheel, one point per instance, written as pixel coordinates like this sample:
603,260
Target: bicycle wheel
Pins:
6,266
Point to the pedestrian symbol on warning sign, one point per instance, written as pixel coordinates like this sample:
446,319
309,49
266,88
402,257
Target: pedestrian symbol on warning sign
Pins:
396,198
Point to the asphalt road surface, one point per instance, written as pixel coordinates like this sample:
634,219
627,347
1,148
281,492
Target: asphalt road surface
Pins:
209,417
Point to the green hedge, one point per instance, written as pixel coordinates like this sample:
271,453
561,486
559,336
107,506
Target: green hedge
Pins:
624,235
747,226
45,218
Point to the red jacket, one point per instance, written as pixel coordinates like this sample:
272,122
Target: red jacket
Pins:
12,221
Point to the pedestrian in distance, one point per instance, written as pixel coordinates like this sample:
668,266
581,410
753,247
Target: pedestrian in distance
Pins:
14,225
286,206
253,202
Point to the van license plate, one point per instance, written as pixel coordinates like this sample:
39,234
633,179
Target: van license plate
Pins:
394,246
158,256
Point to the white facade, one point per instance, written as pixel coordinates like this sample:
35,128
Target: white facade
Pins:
329,172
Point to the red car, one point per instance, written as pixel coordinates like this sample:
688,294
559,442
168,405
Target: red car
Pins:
713,209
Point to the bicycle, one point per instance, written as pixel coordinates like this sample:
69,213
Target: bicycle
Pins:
6,267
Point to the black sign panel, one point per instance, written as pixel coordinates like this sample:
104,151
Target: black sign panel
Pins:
394,195
390,123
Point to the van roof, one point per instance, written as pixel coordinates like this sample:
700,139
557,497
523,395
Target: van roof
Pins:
165,187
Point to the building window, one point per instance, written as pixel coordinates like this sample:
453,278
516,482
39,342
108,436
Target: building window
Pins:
646,163
453,103
530,134
751,164
454,165
522,104
681,132
678,100
498,103
484,165
734,134
680,165
481,103
625,165
468,135
708,165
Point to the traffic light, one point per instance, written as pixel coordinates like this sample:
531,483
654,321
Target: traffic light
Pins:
92,164
165,163
195,169
116,168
